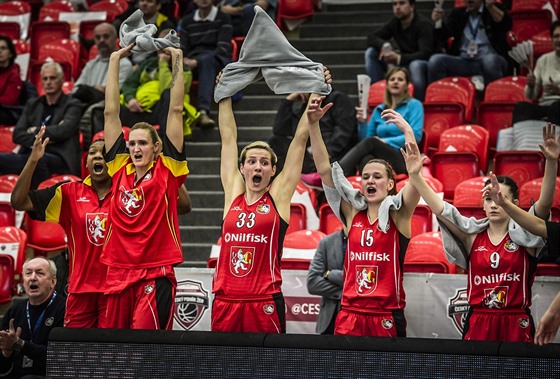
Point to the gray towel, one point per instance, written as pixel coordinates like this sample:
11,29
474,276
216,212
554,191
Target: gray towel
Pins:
345,191
135,30
455,251
267,53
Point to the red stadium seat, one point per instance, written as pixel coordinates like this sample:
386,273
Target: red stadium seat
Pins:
22,47
548,269
520,165
451,168
113,8
356,181
298,218
293,10
468,192
6,143
455,89
425,254
50,11
542,44
437,118
6,278
494,116
13,8
328,222
421,220
530,192
7,213
47,236
13,242
42,33
10,29
527,23
467,138
508,89
377,93
64,50
299,248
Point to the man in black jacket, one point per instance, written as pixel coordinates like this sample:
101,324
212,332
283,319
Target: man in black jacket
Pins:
413,35
27,324
479,47
60,114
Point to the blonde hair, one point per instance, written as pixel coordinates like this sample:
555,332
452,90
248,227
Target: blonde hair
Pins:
150,128
258,145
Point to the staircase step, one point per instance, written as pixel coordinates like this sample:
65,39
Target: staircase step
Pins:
346,71
202,216
210,182
200,234
329,58
196,254
333,44
339,30
268,101
362,16
247,132
207,199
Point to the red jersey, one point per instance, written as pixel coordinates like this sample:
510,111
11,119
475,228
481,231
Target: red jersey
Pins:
143,225
500,276
373,266
83,216
252,238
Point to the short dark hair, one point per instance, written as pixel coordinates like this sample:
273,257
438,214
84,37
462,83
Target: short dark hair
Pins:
553,26
508,181
11,47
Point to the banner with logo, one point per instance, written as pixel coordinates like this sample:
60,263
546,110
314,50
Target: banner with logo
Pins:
436,304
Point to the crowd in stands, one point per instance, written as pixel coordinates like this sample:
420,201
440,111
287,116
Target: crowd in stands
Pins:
321,139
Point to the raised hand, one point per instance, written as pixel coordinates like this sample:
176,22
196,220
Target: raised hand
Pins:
551,145
314,110
493,190
413,158
391,116
38,150
125,51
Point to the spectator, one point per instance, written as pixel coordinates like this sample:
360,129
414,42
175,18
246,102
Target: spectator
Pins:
146,93
242,13
27,324
10,82
543,85
206,43
90,86
500,256
325,278
378,220
414,37
338,127
479,47
60,113
381,139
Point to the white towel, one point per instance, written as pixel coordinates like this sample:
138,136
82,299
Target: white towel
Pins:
135,30
267,53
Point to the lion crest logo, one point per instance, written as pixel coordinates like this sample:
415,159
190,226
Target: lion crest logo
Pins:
96,224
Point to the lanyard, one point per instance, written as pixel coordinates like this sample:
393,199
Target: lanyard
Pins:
474,28
39,320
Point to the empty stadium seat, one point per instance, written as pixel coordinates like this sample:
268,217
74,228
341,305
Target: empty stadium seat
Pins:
548,269
451,168
10,29
50,11
494,116
293,10
298,220
467,138
6,278
421,221
508,89
527,23
520,165
328,222
455,89
6,143
530,191
113,8
468,197
299,248
439,117
13,242
41,33
425,254
65,50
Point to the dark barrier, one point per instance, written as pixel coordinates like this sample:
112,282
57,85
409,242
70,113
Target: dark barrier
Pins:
106,353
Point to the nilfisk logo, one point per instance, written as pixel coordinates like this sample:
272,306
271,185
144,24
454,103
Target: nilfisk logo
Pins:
458,309
191,301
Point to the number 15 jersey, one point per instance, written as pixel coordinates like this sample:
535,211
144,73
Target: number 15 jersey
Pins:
252,238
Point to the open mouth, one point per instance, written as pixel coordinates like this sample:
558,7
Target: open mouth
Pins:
371,190
98,168
33,287
137,156
257,179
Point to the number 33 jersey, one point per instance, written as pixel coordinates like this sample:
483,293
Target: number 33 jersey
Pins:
250,253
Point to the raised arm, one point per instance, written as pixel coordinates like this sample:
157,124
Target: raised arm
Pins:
526,220
414,162
232,180
113,126
174,129
283,187
20,195
551,150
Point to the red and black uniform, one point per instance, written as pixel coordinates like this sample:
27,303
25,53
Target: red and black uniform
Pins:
499,291
83,216
247,281
142,243
373,297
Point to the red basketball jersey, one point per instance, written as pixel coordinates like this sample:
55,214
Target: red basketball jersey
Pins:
76,207
252,238
500,276
373,266
143,224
